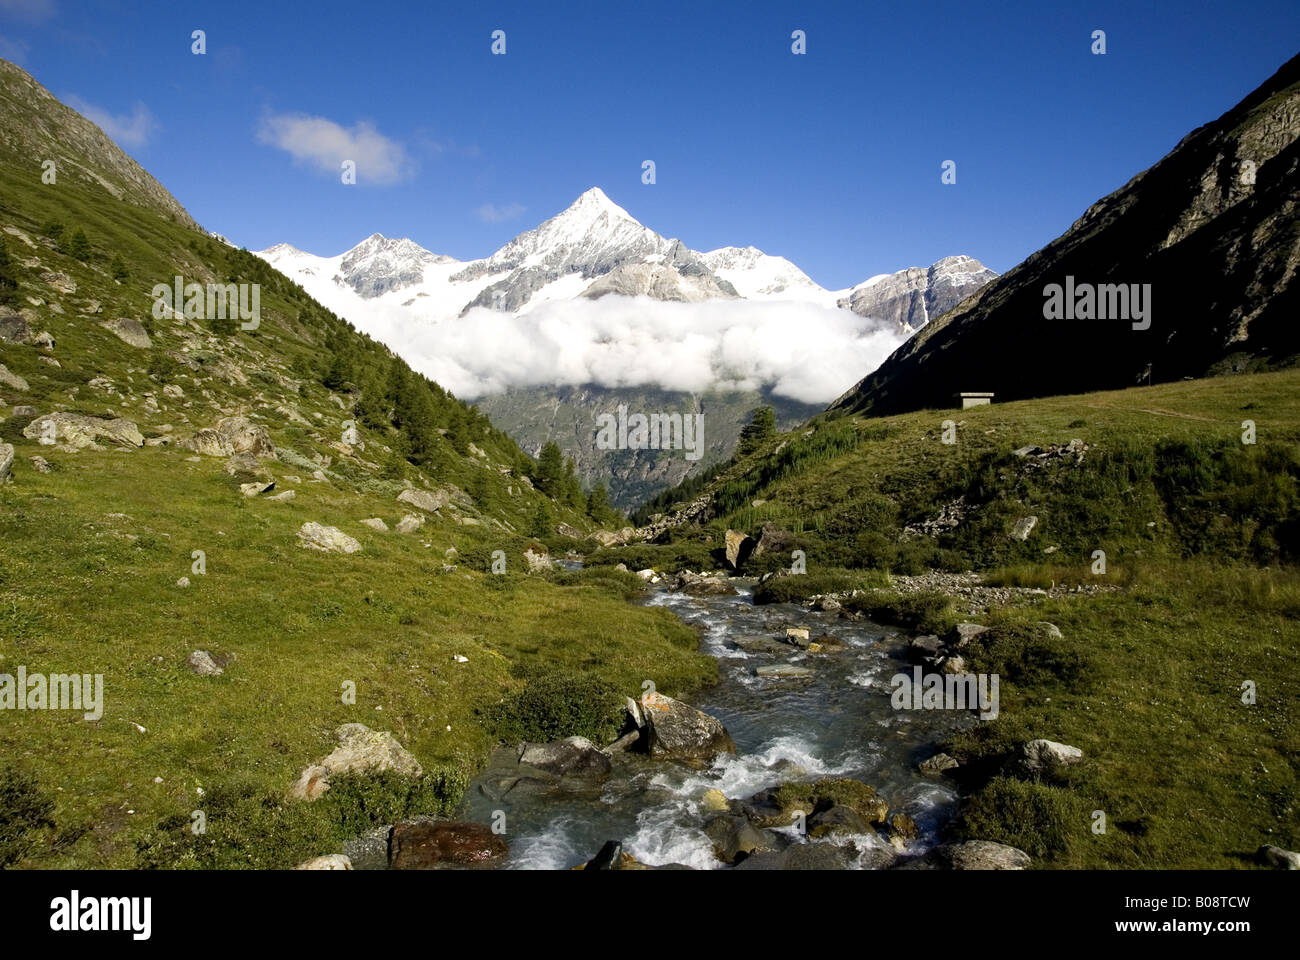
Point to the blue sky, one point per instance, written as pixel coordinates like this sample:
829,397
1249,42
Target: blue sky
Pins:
832,159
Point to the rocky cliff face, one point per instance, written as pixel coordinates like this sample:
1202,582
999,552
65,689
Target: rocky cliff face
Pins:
1212,229
36,127
913,297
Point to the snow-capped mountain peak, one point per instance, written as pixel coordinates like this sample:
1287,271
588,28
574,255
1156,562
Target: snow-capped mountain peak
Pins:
379,264
757,275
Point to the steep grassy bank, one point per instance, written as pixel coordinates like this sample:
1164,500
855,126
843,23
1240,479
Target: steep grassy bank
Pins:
92,553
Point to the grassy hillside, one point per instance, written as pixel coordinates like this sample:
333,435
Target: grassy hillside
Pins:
91,553
1200,594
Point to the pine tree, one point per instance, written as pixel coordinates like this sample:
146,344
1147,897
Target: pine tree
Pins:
78,245
117,269
543,521
598,507
338,374
762,424
550,469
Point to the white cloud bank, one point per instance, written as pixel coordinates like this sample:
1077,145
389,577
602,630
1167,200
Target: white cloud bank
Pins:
802,351
321,143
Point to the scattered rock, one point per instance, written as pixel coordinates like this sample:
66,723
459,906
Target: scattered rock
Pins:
12,380
128,331
612,857
904,827
283,496
1277,858
1038,756
938,764
333,861
431,845
253,489
13,326
41,464
6,460
799,636
984,855
428,501
201,662
376,523
800,856
183,582
738,546
360,750
733,835
328,539
410,523
572,756
79,431
230,436
773,539
714,799
784,671
1023,527
964,633
537,562
924,649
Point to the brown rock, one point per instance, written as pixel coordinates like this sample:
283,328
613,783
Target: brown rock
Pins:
443,843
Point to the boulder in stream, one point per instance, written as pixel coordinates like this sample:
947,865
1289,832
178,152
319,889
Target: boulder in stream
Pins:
442,843
677,731
570,757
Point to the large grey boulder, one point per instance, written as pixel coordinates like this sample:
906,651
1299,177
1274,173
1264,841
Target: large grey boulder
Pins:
129,331
800,856
1040,756
773,539
13,326
570,757
11,379
6,460
984,855
360,750
316,536
1277,858
733,835
230,436
79,431
332,861
677,731
429,501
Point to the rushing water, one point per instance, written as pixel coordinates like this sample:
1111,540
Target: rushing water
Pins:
837,723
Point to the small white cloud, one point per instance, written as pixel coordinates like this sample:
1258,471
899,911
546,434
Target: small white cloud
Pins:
134,130
491,213
324,144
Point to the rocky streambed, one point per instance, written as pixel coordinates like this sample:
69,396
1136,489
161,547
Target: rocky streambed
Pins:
824,774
